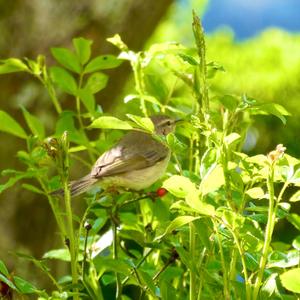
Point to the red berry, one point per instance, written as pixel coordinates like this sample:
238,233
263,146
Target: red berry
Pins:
161,192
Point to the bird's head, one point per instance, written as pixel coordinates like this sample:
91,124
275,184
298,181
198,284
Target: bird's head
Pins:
163,124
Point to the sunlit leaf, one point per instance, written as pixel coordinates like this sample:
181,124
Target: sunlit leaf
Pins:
212,181
271,109
208,161
143,123
291,280
269,287
177,223
12,65
117,41
179,186
284,260
296,243
107,122
295,220
232,138
229,102
193,200
147,98
189,59
295,197
256,193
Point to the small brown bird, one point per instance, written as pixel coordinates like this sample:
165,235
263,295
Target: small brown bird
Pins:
135,162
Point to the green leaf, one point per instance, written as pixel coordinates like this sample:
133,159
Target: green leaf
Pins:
282,260
212,68
24,286
296,177
60,254
291,280
179,186
12,65
83,49
146,280
271,109
34,124
3,269
104,264
156,86
176,223
117,41
295,220
229,102
102,62
107,122
256,193
295,197
64,80
143,123
232,138
88,100
193,200
9,125
7,281
147,98
189,59
12,180
96,82
269,287
66,58
32,188
296,243
208,161
212,181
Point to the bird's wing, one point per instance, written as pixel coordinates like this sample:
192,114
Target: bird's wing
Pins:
131,153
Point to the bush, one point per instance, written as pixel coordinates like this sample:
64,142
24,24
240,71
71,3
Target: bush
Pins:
205,231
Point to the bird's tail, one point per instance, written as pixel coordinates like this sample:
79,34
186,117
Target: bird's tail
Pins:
77,187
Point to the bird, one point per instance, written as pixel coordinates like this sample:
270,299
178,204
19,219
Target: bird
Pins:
137,161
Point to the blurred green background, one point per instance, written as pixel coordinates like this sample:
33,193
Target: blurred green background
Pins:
258,46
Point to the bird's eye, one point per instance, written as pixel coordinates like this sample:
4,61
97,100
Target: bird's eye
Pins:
169,123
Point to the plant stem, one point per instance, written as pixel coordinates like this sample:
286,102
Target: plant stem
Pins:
55,208
226,290
138,265
268,232
201,267
115,256
192,252
139,82
71,236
